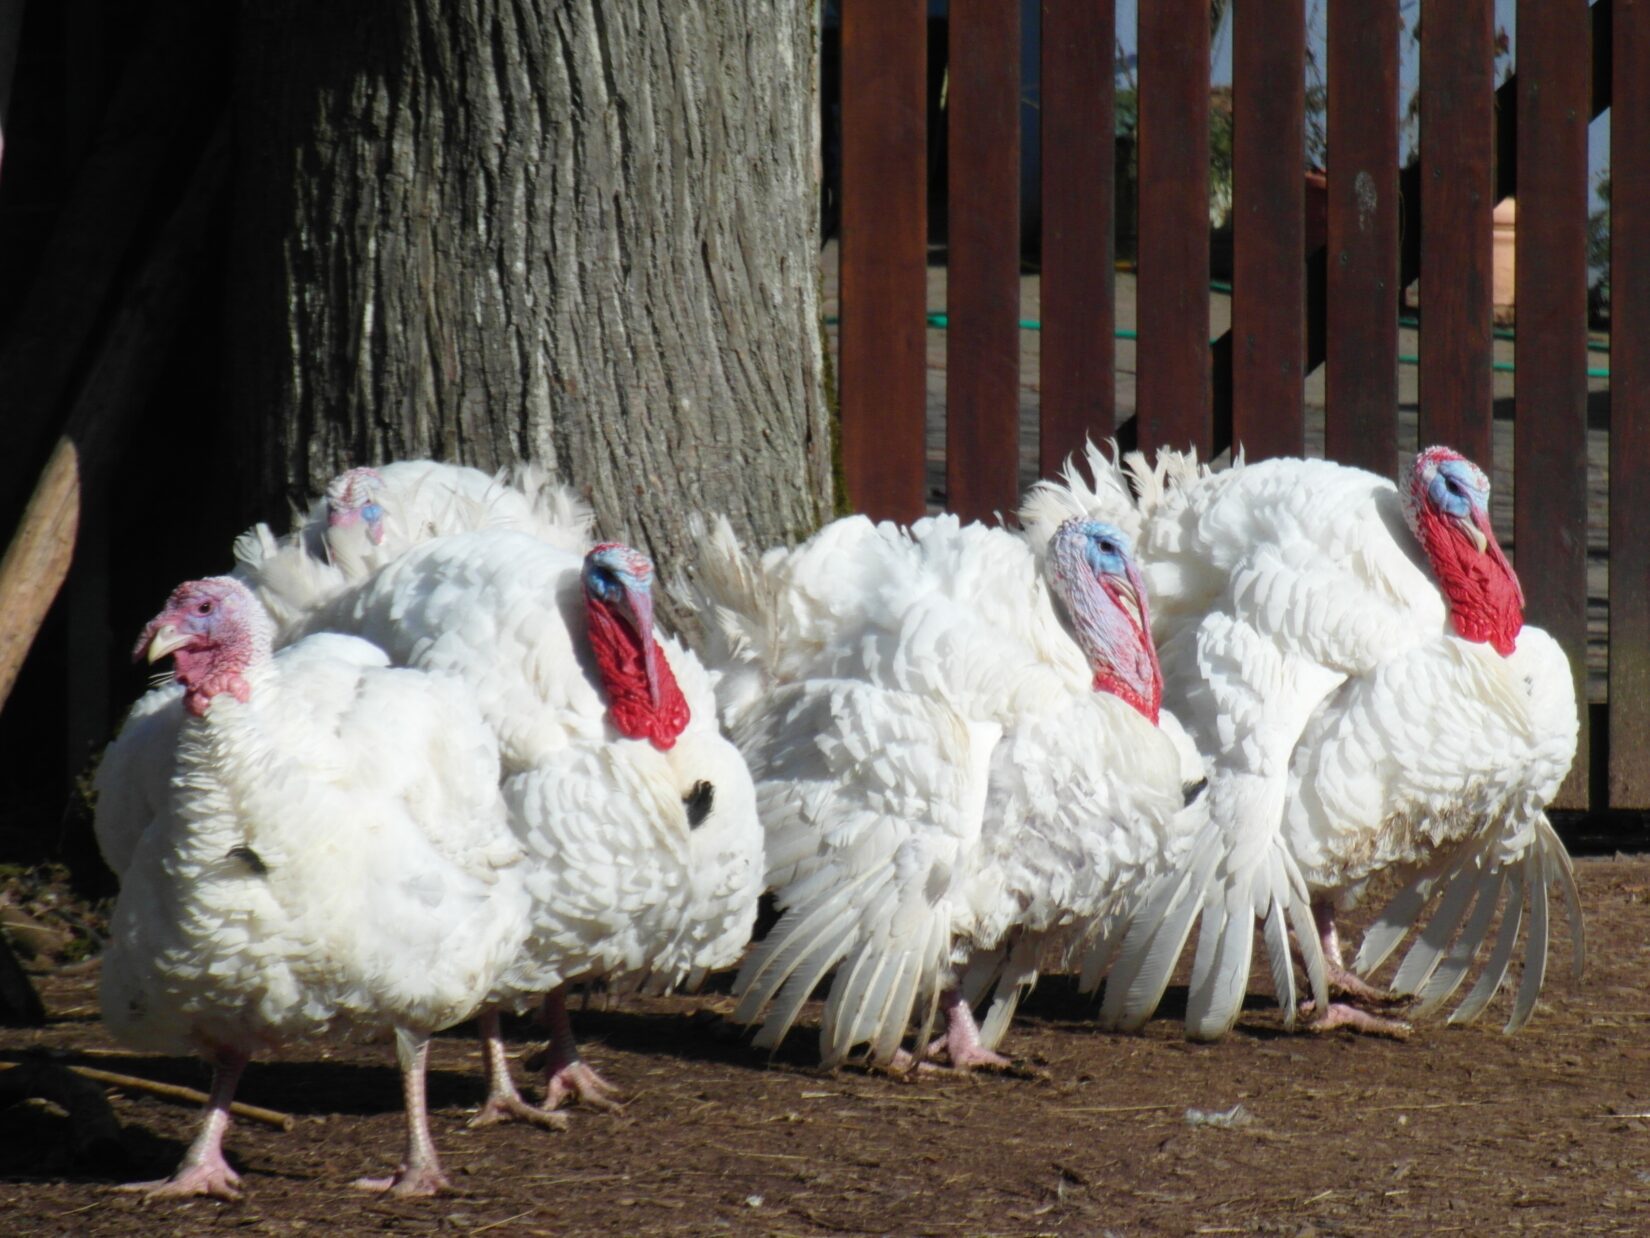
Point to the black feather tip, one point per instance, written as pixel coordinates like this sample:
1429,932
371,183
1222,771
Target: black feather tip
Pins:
699,802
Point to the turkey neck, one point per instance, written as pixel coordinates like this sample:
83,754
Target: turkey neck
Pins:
230,668
1122,656
621,660
1486,603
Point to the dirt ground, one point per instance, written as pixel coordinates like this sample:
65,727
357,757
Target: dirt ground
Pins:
1459,1130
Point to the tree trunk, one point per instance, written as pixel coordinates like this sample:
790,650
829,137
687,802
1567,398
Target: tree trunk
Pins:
572,231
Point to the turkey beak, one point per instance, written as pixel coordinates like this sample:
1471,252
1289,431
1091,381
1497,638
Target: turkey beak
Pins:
641,611
1473,531
165,639
1130,593
375,531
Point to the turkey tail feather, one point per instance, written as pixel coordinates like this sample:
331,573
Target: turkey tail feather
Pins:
1500,957
1561,868
1453,970
1423,956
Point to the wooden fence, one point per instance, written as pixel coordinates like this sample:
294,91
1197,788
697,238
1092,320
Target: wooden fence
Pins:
1292,309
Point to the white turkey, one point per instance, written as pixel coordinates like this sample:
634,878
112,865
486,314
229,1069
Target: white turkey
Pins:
367,517
638,817
370,516
1354,663
331,857
959,766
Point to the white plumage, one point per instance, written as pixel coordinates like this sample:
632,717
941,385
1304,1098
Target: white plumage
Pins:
134,776
328,854
296,575
638,817
133,782
946,797
370,516
1309,645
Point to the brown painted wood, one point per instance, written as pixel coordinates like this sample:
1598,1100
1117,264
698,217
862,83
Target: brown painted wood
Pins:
1173,387
1457,138
1550,426
1361,335
1629,777
1409,206
1268,228
1078,304
982,345
884,255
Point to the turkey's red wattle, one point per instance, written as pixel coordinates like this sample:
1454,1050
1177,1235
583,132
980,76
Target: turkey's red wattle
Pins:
207,670
1485,600
199,694
621,660
1108,680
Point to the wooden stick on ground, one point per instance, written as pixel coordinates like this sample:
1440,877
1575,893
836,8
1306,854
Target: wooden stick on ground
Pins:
184,1096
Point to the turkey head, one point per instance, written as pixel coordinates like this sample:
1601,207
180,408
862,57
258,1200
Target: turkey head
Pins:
352,501
1096,579
214,631
1447,508
643,699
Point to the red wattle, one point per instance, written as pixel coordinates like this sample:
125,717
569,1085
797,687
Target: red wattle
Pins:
205,674
1485,601
1148,707
621,661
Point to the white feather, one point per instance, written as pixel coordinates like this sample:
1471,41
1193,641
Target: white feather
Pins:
1308,650
331,856
623,886
928,750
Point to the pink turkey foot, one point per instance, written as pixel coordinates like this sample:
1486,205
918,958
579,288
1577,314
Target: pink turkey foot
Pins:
213,1178
960,1044
203,1171
1354,1018
510,1107
576,1081
420,1170
424,1181
1350,984
504,1103
1337,974
567,1076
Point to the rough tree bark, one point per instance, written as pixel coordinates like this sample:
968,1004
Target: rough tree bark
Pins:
574,231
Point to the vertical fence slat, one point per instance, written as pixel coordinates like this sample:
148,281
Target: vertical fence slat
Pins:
884,255
1078,307
1361,379
982,348
1550,414
1630,406
1457,136
1173,401
1268,228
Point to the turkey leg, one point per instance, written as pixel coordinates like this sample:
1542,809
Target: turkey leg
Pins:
203,1171
566,1074
1351,1014
504,1103
960,1043
420,1170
